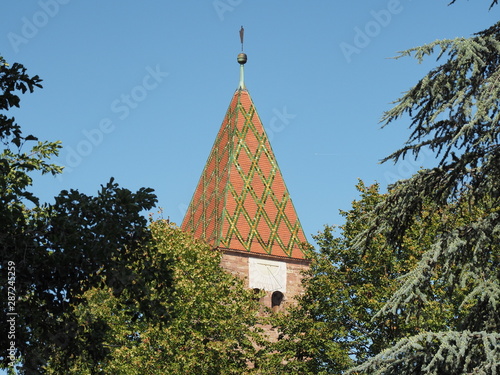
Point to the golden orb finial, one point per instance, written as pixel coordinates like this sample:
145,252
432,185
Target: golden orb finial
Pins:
242,58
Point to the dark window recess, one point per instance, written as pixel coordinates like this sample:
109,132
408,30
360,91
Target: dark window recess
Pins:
276,300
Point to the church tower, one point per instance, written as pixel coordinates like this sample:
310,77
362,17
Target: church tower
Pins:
241,205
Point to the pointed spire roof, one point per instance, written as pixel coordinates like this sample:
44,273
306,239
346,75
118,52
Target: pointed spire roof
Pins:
241,201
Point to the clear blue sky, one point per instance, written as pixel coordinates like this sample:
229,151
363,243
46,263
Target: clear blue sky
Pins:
138,90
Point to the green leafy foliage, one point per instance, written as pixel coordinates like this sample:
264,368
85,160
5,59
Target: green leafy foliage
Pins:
17,222
204,323
78,243
15,162
334,324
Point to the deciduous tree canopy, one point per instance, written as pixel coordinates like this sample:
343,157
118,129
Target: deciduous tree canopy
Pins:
204,321
57,251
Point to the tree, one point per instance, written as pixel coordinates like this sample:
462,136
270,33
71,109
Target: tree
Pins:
333,325
16,164
204,324
83,242
453,111
52,254
16,234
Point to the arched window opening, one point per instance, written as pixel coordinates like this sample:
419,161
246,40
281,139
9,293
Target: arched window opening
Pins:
276,299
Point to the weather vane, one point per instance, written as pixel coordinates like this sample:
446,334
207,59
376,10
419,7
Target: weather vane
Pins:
242,59
242,34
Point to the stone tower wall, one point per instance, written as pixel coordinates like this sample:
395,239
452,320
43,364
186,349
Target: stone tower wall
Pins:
239,263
